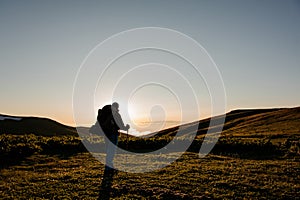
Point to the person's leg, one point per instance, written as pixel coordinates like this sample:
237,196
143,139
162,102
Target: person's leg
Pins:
111,147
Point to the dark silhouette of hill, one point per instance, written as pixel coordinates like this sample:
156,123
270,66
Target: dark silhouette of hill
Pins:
38,126
34,125
245,122
241,122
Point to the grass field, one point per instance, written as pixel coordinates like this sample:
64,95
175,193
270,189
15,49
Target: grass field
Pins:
256,157
79,176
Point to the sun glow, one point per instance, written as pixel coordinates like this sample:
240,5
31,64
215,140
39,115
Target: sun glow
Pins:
141,120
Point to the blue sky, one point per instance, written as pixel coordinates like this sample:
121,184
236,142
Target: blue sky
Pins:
255,44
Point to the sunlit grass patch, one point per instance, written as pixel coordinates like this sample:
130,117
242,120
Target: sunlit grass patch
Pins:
214,176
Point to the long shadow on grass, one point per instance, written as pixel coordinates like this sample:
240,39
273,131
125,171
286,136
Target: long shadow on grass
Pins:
10,161
16,159
106,184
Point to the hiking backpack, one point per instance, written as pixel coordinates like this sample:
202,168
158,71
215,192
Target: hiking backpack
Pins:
106,119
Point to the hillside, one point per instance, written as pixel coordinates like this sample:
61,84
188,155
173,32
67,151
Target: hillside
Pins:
247,122
256,157
243,123
33,125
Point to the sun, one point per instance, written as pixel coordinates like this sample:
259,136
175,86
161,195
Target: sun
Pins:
133,114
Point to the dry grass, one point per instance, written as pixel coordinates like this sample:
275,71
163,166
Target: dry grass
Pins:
79,177
258,158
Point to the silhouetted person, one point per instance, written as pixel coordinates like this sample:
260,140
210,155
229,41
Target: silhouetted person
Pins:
111,122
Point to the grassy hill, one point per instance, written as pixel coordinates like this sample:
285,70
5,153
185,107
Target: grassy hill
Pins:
276,132
244,123
256,157
247,123
34,125
246,133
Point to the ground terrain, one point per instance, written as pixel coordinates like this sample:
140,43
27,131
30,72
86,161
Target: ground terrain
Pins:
256,157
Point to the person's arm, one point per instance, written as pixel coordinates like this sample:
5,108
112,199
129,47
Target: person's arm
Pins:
120,123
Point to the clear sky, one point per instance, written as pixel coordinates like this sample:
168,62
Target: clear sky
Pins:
255,44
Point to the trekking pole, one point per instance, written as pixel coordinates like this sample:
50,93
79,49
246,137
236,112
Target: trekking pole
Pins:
126,143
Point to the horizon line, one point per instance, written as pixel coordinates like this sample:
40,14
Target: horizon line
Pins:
45,117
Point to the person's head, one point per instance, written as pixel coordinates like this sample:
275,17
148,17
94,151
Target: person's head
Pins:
115,106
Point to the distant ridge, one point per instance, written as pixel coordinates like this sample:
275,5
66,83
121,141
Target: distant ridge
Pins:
33,125
246,122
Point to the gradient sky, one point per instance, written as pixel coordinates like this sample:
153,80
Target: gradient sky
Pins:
255,44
